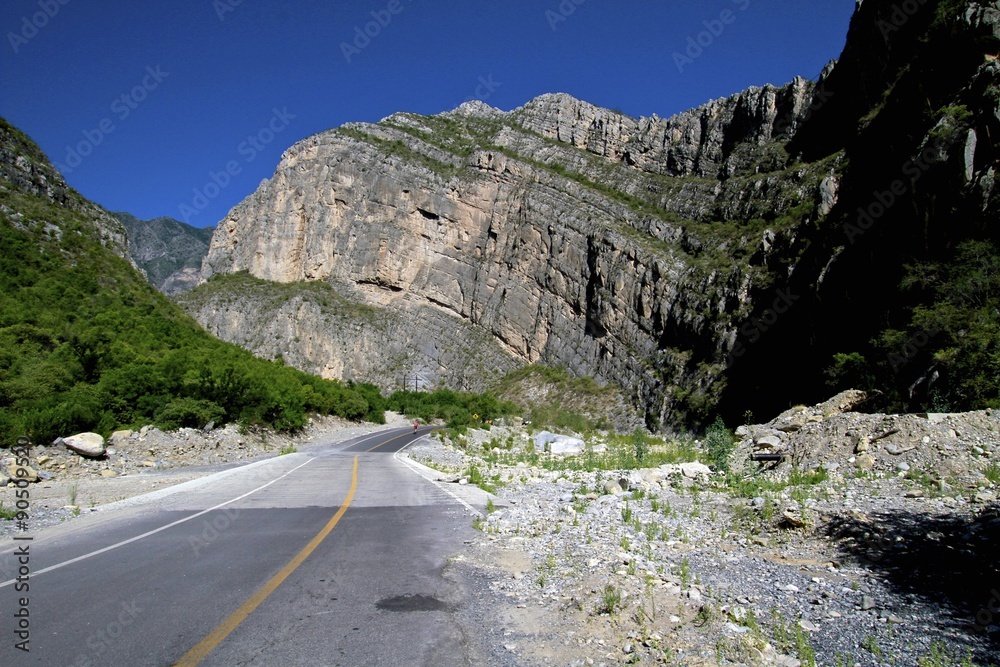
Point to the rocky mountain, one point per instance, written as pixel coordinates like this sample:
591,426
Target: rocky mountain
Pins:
736,257
168,250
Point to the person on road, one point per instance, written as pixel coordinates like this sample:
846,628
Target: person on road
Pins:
415,425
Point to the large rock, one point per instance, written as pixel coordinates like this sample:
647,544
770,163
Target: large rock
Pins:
90,445
558,444
845,401
26,473
514,262
612,487
769,441
694,469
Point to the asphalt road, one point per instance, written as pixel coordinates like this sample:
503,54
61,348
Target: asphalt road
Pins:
335,556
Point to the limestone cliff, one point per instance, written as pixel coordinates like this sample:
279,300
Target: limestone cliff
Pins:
673,257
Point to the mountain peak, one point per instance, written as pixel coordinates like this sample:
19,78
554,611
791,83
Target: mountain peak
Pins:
475,109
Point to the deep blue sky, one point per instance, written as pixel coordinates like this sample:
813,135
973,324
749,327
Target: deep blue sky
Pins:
220,79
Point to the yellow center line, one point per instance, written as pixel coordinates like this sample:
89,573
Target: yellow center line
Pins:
388,441
214,638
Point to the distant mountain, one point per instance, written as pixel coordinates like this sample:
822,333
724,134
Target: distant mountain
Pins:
169,251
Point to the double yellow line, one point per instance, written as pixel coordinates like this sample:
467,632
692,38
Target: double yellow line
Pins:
224,629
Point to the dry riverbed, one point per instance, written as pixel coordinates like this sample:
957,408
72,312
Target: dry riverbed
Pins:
886,557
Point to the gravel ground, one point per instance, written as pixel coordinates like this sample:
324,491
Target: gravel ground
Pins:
865,566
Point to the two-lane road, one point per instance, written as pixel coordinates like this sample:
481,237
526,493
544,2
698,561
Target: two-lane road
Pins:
332,557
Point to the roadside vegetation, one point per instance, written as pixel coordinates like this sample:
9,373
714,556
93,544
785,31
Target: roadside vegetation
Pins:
458,410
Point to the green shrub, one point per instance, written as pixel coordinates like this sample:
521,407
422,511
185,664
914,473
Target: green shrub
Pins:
456,409
189,412
719,445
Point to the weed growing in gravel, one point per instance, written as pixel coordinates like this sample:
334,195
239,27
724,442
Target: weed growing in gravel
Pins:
646,613
870,644
640,445
992,473
684,572
626,513
611,600
749,520
755,485
791,637
926,480
7,515
653,530
621,454
939,656
72,493
477,478
287,449
704,616
749,620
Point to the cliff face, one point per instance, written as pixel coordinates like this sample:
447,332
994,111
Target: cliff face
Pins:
663,255
475,215
314,327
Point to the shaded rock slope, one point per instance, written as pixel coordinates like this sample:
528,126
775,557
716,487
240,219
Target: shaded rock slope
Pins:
712,260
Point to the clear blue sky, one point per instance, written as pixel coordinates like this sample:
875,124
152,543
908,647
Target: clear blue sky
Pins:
199,77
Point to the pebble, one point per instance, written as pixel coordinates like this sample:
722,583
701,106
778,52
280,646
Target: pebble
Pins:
808,626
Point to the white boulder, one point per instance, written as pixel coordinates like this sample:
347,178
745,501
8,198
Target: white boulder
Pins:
694,470
558,444
86,444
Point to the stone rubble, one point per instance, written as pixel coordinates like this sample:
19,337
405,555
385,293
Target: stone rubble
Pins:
870,565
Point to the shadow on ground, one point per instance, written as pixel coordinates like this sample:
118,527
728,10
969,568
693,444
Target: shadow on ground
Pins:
944,560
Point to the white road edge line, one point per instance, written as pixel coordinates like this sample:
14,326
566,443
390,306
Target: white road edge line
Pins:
157,530
412,465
